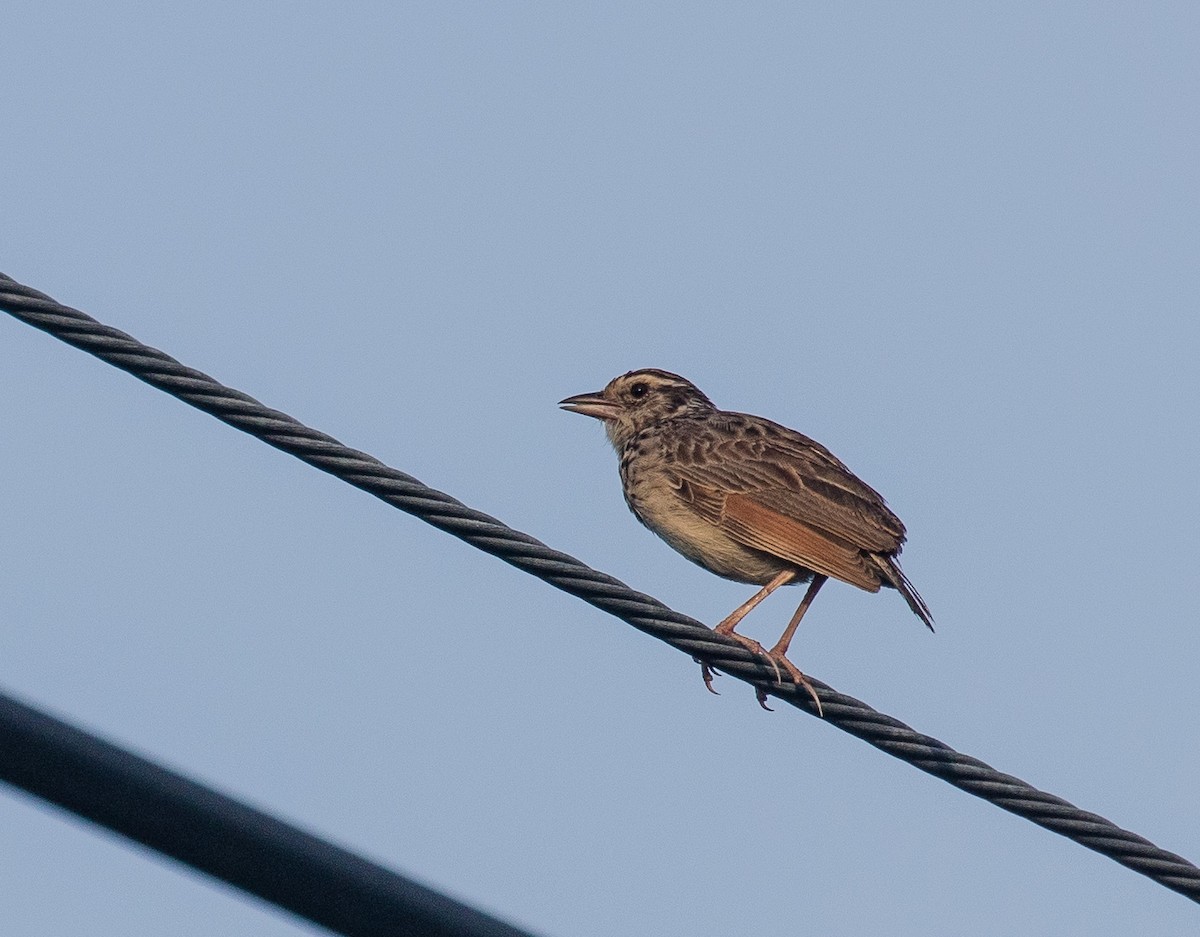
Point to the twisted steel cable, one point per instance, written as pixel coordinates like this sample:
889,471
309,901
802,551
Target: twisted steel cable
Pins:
596,588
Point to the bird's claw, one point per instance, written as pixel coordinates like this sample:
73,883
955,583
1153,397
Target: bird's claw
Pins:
797,678
778,660
707,673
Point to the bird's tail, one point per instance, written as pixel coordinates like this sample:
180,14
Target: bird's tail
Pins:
895,578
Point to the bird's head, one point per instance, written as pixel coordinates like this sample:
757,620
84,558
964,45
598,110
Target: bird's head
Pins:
637,400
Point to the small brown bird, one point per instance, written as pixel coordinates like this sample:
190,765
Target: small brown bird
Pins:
746,499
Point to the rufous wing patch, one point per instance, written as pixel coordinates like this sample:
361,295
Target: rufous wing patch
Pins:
767,530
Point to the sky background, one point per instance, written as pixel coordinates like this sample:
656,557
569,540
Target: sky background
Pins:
957,244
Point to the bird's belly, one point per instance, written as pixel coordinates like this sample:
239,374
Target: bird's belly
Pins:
703,542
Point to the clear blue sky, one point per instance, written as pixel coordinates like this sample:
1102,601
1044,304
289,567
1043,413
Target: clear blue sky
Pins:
955,243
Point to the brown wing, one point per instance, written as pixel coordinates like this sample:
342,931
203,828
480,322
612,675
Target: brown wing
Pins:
782,536
780,492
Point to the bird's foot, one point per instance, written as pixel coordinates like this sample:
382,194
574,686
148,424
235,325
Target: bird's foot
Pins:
708,672
798,678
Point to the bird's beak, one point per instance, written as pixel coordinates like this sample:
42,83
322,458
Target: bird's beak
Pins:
596,405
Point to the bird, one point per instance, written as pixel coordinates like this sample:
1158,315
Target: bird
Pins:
747,499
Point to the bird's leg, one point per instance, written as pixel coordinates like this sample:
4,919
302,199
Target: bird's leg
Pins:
733,618
779,652
781,646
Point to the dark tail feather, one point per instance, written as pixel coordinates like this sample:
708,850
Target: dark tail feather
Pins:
897,580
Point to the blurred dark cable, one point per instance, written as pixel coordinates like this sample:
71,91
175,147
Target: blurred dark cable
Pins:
215,834
599,589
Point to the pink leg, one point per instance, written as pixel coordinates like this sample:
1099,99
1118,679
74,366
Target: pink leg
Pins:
781,646
731,621
779,652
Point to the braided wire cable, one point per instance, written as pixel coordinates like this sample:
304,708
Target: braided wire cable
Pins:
605,592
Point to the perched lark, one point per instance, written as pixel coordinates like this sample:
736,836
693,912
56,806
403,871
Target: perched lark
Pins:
747,499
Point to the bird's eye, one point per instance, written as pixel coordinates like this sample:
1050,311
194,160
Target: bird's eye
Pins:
639,389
